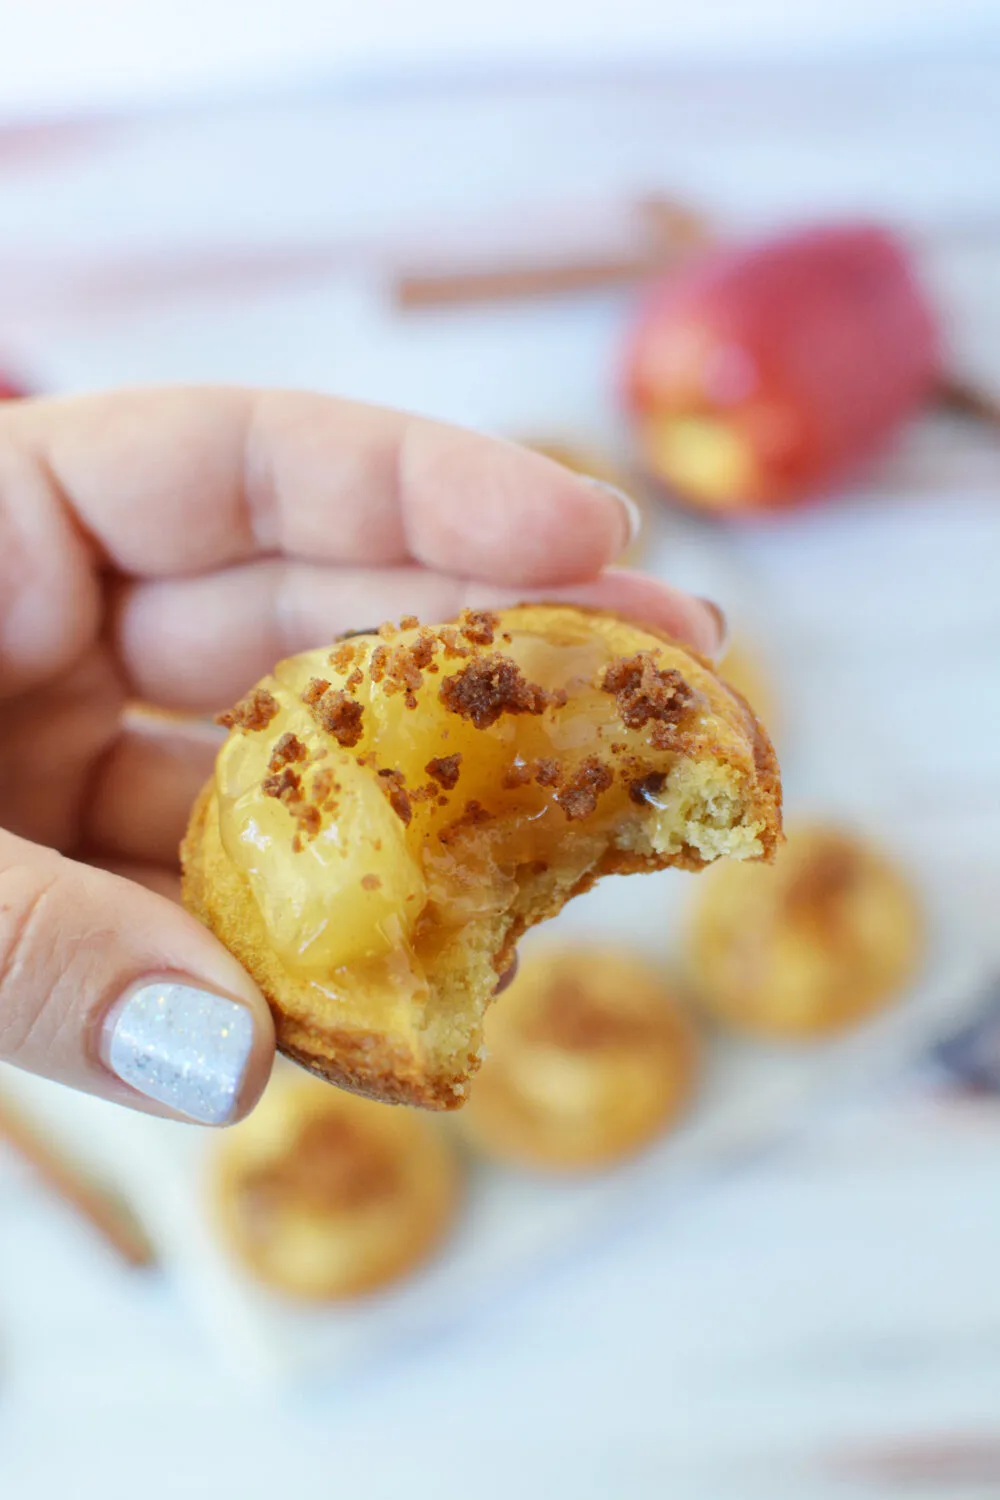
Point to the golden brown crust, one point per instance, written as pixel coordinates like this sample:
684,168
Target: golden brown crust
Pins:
362,1052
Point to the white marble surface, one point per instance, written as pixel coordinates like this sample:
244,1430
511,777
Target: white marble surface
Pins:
841,1295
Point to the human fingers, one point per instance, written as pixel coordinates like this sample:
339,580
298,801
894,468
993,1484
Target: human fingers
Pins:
198,643
176,481
110,988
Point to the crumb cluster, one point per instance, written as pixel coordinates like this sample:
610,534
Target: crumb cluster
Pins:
485,687
254,712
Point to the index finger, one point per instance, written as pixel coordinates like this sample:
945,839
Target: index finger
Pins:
184,480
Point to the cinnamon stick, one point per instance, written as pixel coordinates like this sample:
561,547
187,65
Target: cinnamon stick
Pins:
103,1210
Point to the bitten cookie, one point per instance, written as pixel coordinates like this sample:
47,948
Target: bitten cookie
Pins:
390,814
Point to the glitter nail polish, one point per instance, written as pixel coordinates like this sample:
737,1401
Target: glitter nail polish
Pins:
186,1048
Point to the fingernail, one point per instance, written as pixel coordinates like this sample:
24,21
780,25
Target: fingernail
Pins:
184,1047
631,511
721,626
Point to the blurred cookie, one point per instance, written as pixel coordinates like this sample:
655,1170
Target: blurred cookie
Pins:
324,1194
587,1058
814,943
583,460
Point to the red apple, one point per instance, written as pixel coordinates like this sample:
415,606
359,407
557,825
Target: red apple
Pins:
9,391
760,374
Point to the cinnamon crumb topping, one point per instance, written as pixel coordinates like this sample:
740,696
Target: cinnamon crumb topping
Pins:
479,626
451,641
644,691
488,687
288,749
286,785
310,820
371,882
578,796
339,715
409,622
354,680
377,664
343,657
253,712
387,630
422,649
547,772
401,665
324,784
444,769
315,689
395,791
518,773
473,815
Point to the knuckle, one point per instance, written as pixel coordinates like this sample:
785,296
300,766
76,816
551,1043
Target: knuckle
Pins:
27,945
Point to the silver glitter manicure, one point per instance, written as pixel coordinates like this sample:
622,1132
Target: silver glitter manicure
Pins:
183,1047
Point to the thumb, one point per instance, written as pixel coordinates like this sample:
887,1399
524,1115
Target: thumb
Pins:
109,988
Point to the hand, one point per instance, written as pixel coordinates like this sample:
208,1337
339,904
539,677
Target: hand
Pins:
169,546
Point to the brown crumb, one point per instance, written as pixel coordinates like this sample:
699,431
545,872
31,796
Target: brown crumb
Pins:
387,630
644,788
479,626
371,882
340,716
451,641
315,689
285,784
377,664
400,666
444,769
324,784
423,648
472,816
309,819
578,795
395,791
289,748
343,657
547,772
518,773
644,691
354,680
253,712
409,622
489,687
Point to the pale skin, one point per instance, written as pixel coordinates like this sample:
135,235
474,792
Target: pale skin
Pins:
168,546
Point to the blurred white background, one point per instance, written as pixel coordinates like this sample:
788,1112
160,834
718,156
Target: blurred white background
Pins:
60,54
839,1303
